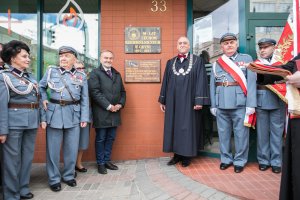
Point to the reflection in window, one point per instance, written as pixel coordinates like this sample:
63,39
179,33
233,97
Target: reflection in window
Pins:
208,29
18,21
278,6
72,23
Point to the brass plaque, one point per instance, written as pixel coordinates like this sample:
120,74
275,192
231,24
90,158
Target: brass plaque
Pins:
142,71
142,40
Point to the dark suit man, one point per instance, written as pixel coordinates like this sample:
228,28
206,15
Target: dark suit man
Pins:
107,97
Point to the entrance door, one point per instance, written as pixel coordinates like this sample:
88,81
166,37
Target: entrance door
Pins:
263,29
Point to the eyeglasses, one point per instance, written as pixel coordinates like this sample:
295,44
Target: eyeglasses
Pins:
80,68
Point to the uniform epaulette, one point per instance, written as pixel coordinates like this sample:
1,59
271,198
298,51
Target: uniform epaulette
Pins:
81,72
4,70
53,66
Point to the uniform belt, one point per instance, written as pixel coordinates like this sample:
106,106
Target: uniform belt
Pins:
262,87
64,102
226,83
24,105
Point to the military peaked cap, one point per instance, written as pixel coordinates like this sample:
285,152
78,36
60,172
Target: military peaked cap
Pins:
67,49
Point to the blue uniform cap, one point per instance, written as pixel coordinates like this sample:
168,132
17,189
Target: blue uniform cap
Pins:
266,41
228,36
67,49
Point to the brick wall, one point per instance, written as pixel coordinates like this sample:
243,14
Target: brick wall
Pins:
141,132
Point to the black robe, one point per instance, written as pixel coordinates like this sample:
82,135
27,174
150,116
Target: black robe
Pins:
290,177
182,129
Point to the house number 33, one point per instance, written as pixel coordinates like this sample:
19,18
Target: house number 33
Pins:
159,6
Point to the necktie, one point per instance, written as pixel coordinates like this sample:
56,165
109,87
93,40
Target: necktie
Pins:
109,73
181,56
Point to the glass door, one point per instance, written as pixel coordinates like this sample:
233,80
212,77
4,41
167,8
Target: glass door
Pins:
263,29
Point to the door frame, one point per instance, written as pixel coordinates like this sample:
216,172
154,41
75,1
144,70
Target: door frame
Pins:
252,24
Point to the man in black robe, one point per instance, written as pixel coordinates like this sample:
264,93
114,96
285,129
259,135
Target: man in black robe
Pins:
183,93
290,178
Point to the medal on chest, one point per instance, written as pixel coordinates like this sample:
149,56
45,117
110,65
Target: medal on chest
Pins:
22,82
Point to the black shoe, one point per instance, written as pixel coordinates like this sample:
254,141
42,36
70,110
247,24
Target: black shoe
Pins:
174,160
276,170
238,169
27,196
224,166
71,183
111,166
83,170
186,162
55,187
263,167
102,169
75,174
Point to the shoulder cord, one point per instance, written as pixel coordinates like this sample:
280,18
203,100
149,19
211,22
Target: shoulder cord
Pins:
51,85
9,83
215,73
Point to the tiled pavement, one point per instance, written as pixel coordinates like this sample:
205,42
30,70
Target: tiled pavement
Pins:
250,184
135,180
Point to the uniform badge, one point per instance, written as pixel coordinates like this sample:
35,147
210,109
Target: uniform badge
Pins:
242,65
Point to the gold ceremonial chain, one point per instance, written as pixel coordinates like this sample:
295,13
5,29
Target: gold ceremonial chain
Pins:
181,70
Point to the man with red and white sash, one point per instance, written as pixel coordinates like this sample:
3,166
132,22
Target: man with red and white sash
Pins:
233,102
270,113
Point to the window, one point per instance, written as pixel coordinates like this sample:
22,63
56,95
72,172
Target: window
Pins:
18,21
277,6
73,23
209,28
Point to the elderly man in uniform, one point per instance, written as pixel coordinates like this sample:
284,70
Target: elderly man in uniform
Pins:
233,99
270,114
66,111
183,92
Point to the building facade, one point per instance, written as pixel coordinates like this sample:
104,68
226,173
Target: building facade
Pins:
92,25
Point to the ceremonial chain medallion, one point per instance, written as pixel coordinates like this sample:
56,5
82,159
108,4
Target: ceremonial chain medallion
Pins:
181,70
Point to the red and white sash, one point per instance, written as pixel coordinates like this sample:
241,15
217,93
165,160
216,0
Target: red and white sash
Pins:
237,74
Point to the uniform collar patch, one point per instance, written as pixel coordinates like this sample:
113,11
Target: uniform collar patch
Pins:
63,70
19,72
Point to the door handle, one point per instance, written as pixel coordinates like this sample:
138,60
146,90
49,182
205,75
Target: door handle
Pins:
249,36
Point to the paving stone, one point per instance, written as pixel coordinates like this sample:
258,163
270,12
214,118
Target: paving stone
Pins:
135,180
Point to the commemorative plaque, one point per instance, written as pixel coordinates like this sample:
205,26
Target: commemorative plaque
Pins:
145,71
142,40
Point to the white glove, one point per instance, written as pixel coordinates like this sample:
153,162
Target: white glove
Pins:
213,111
250,111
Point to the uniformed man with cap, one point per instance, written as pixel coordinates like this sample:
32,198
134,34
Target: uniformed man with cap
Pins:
63,114
233,101
270,114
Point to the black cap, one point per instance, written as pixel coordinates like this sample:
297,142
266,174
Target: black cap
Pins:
228,36
67,49
266,41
